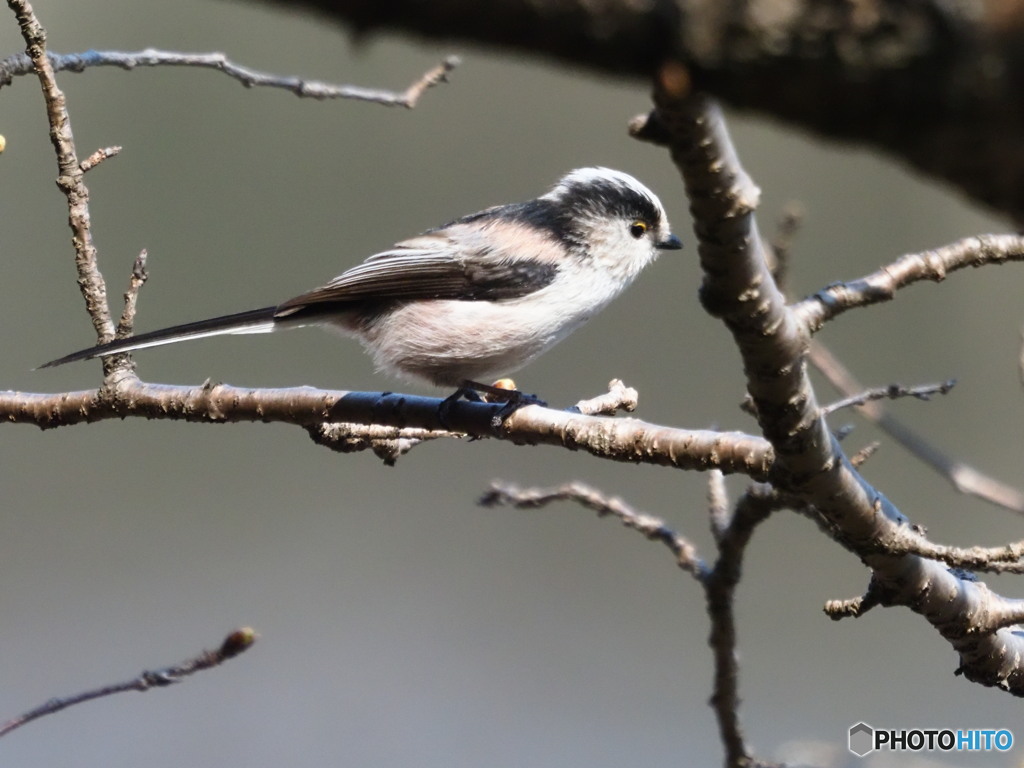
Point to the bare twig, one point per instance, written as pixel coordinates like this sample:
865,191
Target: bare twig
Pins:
853,607
984,559
653,528
438,74
98,157
964,478
865,453
235,643
619,397
131,296
891,392
70,174
979,251
20,64
719,582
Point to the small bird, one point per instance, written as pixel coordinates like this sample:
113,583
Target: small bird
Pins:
476,298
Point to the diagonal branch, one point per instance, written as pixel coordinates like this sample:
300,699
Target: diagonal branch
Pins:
934,265
772,339
653,528
965,478
719,582
70,174
235,643
890,392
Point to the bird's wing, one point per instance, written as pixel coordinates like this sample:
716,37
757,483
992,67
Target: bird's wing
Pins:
457,263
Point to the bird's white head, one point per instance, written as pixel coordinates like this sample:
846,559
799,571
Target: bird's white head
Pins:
612,218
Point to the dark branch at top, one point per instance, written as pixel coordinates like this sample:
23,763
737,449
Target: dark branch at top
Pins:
936,84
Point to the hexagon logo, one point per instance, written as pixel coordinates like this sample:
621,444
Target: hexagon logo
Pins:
861,739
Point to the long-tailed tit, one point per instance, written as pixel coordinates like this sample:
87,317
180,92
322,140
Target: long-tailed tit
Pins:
479,297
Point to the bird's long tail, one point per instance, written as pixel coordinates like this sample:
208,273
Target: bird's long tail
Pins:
253,321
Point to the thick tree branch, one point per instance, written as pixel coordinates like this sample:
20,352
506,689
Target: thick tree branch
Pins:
772,339
619,439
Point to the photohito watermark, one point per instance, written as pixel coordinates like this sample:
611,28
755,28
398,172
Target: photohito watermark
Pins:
864,739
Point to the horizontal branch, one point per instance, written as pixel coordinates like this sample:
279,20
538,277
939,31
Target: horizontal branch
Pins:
619,439
891,392
20,64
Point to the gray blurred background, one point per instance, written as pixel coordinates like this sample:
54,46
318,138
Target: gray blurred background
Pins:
401,624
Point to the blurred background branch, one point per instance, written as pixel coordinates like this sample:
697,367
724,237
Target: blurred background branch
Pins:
935,84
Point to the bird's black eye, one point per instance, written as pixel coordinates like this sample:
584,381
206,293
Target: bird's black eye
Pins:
638,229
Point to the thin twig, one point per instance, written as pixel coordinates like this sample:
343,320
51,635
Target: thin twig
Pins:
619,397
131,296
98,157
891,392
935,265
853,607
964,478
70,173
719,583
20,64
860,457
653,528
752,509
235,643
983,559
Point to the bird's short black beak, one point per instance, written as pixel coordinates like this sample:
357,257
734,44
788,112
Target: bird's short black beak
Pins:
670,243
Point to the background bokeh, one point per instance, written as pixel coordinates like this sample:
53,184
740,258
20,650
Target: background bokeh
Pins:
401,624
